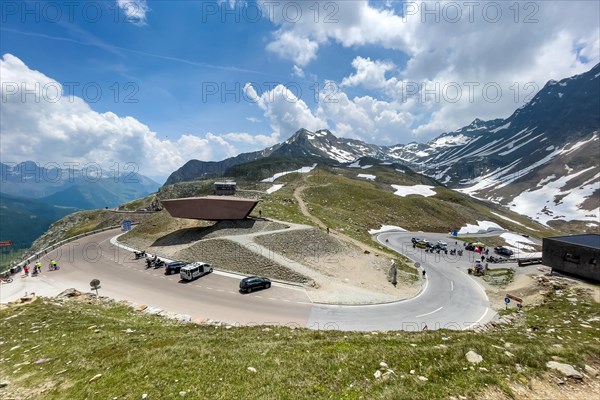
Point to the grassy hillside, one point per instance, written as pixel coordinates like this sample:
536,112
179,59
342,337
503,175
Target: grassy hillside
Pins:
55,349
83,222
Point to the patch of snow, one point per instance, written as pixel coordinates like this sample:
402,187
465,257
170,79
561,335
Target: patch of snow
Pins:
386,163
563,84
303,170
274,188
354,165
366,166
481,227
386,228
507,219
421,153
447,141
549,148
401,170
513,148
500,127
422,190
545,180
517,241
569,206
560,95
367,176
591,224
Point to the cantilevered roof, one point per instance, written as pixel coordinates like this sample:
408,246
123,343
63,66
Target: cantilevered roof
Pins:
210,208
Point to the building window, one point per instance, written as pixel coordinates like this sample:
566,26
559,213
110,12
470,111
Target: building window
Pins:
570,257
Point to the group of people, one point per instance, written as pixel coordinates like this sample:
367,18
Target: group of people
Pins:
37,267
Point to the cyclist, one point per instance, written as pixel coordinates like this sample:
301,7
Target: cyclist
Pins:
53,265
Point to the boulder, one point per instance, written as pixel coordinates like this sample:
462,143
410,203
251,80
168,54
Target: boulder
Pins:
565,369
473,357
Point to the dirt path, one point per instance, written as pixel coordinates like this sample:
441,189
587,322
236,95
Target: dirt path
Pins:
339,235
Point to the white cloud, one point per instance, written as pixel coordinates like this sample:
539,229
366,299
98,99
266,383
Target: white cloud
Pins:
297,71
44,125
135,10
467,45
290,46
254,120
369,74
243,137
284,110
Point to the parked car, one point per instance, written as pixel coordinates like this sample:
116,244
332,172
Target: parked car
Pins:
254,282
503,251
422,244
441,245
174,267
470,247
195,270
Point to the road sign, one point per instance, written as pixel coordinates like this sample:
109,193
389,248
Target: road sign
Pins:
515,298
126,225
507,300
6,243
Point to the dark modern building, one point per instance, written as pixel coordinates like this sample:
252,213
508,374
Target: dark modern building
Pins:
225,188
576,255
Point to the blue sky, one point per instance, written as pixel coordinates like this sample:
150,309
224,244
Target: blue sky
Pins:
178,80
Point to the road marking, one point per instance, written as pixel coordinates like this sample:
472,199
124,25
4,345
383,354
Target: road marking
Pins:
422,315
220,290
452,286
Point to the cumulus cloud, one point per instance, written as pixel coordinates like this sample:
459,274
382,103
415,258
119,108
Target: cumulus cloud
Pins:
135,10
286,112
291,46
247,138
472,46
39,122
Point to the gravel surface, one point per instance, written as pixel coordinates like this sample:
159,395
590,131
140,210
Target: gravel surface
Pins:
226,255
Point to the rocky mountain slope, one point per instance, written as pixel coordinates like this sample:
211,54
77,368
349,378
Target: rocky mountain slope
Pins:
542,161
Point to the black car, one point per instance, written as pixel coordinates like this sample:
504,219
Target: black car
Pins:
174,267
503,251
254,282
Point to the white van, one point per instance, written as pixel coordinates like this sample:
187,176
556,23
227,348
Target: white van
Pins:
194,270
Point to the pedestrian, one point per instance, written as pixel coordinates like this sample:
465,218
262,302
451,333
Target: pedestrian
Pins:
423,274
260,213
328,230
26,269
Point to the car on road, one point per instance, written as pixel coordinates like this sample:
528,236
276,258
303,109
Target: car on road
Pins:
251,283
194,270
441,245
174,267
422,244
503,251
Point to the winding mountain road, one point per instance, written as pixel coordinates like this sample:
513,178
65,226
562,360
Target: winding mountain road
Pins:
449,299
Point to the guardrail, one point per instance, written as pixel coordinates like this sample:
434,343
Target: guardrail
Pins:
56,245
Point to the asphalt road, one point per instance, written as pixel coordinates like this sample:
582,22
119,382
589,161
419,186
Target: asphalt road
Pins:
449,298
214,296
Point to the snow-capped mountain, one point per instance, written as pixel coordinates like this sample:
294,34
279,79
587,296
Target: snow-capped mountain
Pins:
542,161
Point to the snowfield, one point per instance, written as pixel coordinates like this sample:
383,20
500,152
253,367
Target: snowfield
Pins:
303,170
367,176
274,188
517,241
421,190
386,228
481,227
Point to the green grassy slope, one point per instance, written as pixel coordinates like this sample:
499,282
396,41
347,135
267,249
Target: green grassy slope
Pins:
52,350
